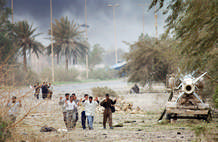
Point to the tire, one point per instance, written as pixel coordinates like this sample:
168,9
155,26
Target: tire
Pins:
168,116
209,117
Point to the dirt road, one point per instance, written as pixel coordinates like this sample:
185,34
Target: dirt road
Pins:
141,126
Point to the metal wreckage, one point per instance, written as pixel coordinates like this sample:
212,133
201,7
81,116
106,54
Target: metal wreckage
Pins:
184,101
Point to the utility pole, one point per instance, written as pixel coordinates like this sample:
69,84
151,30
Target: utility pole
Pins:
115,34
143,6
12,11
52,46
155,15
87,57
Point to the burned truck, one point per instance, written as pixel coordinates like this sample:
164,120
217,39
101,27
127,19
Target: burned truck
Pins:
185,102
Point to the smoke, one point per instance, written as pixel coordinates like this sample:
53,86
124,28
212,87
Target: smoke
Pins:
100,18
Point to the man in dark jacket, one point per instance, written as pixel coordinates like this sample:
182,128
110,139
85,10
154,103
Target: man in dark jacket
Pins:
107,104
44,90
83,113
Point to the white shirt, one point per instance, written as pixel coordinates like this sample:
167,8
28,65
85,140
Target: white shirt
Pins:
62,102
70,105
14,108
90,107
51,88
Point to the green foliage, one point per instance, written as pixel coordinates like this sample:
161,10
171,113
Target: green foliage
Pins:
60,75
102,91
95,55
25,40
67,36
4,132
7,50
215,97
194,24
146,61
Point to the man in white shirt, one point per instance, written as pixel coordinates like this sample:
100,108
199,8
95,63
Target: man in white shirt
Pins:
71,112
62,102
90,107
76,110
14,108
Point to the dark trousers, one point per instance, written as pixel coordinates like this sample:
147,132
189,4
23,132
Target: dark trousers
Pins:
83,119
65,118
77,117
37,95
107,115
44,95
71,119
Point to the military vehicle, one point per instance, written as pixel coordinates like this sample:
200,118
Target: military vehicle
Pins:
184,101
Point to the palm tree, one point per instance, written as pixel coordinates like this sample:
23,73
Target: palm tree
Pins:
68,37
25,40
57,51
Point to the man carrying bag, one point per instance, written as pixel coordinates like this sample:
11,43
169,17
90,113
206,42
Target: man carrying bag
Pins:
107,104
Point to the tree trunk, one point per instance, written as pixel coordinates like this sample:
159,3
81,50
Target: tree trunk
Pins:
58,58
66,63
24,60
76,60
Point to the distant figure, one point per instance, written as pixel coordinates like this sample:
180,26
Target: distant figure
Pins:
172,81
37,90
62,102
71,115
107,104
14,108
83,113
90,107
44,90
134,89
50,91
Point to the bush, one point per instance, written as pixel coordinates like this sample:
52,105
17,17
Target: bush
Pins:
215,97
4,133
60,74
103,74
101,91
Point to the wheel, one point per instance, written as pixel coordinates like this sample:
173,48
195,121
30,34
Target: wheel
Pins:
209,117
168,116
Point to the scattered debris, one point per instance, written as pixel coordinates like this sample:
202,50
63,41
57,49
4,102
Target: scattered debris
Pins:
47,129
178,133
129,121
118,125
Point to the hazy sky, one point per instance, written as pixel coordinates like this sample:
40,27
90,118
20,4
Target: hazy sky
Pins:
100,18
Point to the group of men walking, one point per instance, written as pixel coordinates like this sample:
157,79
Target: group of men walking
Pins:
88,105
46,88
70,105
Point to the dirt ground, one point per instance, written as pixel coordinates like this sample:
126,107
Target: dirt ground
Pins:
138,126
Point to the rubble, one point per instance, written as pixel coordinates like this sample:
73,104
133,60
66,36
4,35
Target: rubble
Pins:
123,106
